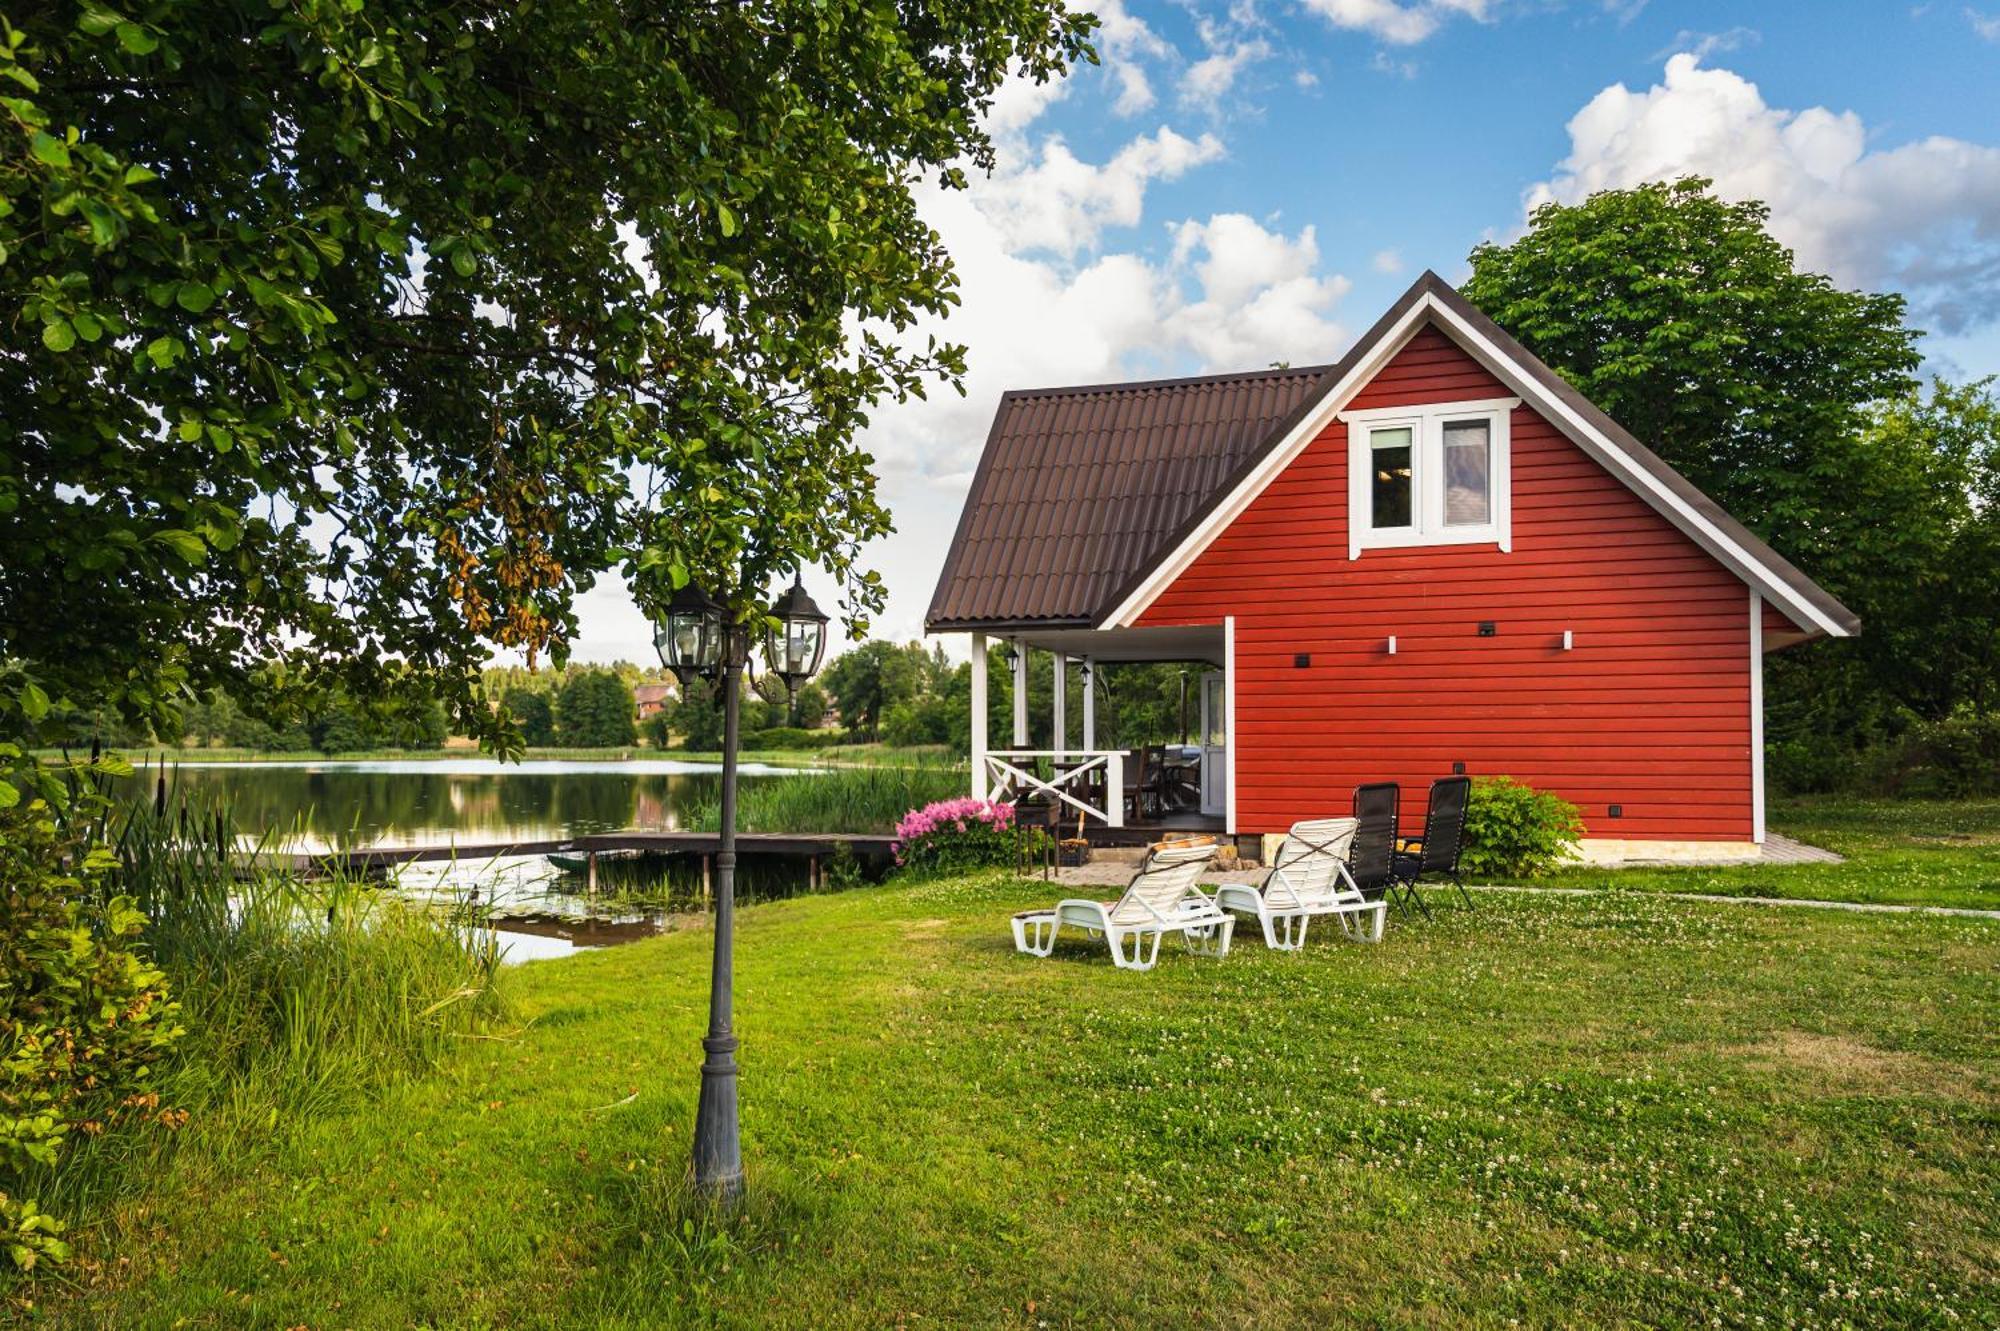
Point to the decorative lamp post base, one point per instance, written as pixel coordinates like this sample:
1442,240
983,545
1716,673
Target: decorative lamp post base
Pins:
718,1152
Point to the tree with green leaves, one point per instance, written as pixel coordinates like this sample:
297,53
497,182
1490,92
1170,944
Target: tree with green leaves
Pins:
532,713
867,680
1681,317
362,332
595,711
1791,402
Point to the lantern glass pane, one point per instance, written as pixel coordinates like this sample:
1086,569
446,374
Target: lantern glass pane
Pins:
801,646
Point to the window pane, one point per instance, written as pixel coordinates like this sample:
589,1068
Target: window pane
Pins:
1389,452
1468,474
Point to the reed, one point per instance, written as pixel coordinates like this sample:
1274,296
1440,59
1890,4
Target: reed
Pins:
298,995
846,799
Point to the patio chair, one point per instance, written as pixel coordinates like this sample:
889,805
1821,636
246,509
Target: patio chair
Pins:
1371,858
1161,899
1436,855
1308,877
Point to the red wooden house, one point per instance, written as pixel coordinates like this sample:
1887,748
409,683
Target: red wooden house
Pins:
1433,556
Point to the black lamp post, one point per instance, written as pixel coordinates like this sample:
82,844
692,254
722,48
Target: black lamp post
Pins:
702,640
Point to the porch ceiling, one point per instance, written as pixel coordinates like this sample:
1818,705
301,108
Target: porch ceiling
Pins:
1193,642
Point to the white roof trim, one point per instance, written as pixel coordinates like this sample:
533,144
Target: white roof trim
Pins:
1602,449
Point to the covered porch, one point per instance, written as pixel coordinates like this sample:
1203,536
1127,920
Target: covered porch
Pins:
1111,787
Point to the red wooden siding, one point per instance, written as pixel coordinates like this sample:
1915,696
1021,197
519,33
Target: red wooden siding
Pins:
1650,711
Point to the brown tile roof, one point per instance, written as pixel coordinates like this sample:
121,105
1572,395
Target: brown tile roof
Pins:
1081,489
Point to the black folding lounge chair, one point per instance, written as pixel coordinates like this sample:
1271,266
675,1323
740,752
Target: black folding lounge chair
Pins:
1371,857
1436,856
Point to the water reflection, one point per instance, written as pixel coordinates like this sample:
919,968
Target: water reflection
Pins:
344,805
538,911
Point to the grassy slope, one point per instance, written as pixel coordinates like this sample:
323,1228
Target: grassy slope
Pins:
1904,852
1567,1111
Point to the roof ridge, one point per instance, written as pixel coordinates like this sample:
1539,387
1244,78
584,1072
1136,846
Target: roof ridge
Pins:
1178,381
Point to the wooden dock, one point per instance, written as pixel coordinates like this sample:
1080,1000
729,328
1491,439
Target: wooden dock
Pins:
812,846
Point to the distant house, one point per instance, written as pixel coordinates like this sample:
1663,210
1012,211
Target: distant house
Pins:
1431,557
650,699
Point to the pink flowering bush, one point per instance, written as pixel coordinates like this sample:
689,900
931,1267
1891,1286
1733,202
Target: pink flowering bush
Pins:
952,836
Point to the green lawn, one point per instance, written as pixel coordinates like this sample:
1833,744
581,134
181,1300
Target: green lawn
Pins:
1902,852
1619,1109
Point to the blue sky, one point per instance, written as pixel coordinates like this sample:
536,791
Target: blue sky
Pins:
1245,182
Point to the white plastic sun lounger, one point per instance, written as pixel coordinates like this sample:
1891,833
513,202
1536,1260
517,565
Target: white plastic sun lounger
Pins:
1308,877
1161,899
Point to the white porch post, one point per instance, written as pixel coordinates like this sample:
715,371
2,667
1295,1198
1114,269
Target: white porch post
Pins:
1060,708
1089,705
979,716
1020,694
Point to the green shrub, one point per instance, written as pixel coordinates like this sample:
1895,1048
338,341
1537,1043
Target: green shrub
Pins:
85,1017
1953,758
1513,830
792,737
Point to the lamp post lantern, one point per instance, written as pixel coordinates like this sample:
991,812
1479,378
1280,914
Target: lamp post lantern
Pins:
796,638
701,639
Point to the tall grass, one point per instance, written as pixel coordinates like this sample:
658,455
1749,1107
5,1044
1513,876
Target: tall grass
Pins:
298,994
846,799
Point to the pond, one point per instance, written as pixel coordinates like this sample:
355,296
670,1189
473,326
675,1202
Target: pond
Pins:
331,805
538,908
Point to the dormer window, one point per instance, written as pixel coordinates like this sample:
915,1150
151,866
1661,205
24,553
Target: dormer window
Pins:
1429,475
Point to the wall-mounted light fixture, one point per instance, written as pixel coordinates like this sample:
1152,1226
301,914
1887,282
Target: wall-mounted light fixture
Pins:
1487,628
1392,644
1569,640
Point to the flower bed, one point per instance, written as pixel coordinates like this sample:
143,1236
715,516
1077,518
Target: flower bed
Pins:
952,836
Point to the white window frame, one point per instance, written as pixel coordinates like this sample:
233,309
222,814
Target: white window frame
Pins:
1426,424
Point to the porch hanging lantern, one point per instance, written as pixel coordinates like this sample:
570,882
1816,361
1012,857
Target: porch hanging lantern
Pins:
795,640
689,640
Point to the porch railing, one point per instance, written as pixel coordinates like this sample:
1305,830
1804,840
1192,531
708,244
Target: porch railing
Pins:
1073,778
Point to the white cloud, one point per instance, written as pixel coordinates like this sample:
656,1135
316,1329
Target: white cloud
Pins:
1209,79
1986,25
1702,45
1394,21
1059,202
1387,261
1124,43
1261,296
1384,63
1922,218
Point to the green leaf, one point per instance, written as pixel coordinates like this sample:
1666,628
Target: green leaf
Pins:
186,544
9,796
137,40
34,702
727,218
48,149
195,297
58,336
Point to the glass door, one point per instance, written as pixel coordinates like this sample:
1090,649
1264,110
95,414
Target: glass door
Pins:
1215,744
